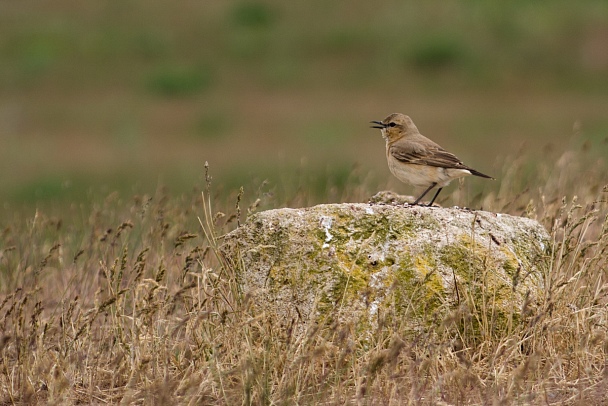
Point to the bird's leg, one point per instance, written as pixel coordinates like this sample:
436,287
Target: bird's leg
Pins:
435,197
424,193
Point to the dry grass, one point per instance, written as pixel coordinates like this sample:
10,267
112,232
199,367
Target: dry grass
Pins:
130,303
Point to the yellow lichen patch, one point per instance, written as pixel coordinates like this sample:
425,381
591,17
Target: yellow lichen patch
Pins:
348,280
511,264
490,296
471,260
351,279
426,269
409,291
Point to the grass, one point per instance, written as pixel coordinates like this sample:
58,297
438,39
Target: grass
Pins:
128,301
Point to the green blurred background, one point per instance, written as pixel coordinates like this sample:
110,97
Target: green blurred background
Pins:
128,94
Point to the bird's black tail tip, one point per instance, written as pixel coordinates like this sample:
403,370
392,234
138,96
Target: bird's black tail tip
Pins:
482,175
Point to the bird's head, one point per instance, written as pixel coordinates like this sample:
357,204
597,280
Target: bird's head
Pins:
395,126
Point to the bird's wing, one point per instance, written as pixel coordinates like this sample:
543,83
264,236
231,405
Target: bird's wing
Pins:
411,152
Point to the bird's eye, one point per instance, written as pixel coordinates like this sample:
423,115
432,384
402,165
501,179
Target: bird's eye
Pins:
392,124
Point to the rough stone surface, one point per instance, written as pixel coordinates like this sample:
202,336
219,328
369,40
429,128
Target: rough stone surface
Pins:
356,262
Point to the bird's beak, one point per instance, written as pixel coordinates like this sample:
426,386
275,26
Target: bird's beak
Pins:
379,125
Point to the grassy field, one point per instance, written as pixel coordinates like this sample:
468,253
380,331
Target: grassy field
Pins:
127,301
111,289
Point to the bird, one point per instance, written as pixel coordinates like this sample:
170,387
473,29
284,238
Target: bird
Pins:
414,159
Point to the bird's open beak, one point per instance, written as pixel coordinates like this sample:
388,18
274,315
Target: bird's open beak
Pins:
379,125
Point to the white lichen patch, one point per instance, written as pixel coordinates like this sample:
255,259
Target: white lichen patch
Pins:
326,223
377,280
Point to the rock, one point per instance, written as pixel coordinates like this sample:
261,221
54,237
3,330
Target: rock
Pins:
388,197
361,263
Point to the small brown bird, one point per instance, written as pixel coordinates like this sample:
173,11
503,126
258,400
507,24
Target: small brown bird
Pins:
416,160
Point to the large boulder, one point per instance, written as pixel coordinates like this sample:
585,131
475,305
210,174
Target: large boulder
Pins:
357,263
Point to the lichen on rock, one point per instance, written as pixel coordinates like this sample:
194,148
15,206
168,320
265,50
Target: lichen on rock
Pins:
355,262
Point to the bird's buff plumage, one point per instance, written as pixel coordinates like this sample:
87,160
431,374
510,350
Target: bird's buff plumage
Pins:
416,160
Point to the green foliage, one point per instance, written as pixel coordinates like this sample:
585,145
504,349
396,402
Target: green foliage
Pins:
437,52
42,189
179,80
253,15
38,55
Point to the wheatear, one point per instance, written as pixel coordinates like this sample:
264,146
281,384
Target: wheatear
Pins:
416,160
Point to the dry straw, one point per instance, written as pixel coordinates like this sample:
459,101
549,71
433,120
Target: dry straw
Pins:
132,304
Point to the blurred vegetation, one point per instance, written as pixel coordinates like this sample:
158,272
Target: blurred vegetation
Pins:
128,93
109,111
